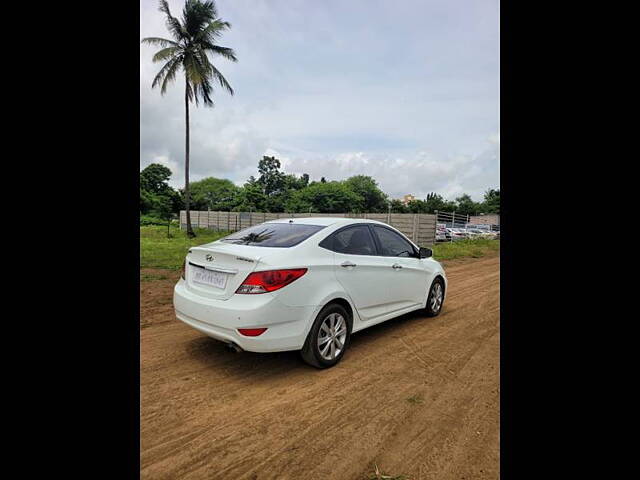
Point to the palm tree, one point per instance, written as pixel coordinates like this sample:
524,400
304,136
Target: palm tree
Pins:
193,39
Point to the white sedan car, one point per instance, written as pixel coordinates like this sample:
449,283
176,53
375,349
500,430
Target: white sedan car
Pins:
306,284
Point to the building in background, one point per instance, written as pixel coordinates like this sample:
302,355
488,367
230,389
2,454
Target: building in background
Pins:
408,198
488,219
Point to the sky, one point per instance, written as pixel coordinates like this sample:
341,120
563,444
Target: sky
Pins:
406,91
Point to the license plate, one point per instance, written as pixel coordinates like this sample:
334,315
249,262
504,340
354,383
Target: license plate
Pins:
209,277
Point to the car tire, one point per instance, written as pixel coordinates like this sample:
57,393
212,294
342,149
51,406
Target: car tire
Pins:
321,349
434,308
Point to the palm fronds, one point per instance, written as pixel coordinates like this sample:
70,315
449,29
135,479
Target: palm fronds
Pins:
194,39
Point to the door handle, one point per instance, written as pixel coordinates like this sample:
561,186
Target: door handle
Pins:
348,264
396,266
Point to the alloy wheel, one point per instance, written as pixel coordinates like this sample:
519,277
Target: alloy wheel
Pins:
436,297
332,336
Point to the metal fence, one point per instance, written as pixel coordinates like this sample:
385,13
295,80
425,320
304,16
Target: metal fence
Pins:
419,227
452,220
466,226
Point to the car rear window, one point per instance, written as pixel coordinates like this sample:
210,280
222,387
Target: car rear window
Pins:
281,235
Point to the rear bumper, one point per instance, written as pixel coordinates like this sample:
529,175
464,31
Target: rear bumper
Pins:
287,327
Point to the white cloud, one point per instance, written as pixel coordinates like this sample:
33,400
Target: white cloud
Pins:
419,173
319,88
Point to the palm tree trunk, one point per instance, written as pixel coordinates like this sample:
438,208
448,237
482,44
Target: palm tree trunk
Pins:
187,194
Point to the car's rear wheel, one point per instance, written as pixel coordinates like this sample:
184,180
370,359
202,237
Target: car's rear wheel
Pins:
328,338
436,298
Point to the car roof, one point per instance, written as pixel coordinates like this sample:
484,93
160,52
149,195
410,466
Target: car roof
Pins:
324,221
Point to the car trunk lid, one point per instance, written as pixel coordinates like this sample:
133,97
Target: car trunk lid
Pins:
217,270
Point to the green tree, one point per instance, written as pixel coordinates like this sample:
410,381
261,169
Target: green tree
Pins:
271,178
194,38
251,197
271,191
291,182
418,206
304,180
491,202
436,202
398,207
466,206
328,197
277,200
147,201
154,178
373,199
154,187
214,193
164,209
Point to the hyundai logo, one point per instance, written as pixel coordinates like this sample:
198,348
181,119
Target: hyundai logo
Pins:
209,258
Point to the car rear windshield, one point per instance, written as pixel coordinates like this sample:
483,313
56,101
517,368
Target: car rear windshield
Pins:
273,235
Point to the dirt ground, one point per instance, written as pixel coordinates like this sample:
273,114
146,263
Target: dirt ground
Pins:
416,396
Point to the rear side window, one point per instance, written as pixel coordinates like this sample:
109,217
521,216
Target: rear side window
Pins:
355,240
392,244
273,235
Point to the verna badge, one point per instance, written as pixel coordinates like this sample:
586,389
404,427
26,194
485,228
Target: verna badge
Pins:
209,258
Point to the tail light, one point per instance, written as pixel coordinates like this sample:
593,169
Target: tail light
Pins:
252,332
270,280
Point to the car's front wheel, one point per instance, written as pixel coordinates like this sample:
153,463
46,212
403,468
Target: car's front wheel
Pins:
436,298
328,338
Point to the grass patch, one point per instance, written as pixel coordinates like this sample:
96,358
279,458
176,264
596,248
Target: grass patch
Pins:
158,251
150,277
377,474
475,248
415,399
153,220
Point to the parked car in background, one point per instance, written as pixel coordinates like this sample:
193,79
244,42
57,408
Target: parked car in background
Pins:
492,231
476,232
478,226
456,234
442,235
306,284
490,235
484,233
473,233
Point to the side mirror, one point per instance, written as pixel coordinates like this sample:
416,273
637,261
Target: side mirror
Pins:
425,252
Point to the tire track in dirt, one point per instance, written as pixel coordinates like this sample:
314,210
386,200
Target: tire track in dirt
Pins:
207,413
